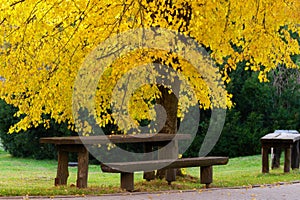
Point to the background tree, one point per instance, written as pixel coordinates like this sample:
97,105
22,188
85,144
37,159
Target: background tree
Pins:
258,110
43,43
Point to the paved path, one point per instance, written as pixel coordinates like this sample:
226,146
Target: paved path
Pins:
280,192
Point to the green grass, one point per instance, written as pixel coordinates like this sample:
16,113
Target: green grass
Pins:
21,177
246,171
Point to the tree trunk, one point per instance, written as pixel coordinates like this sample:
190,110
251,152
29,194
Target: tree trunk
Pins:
169,100
170,103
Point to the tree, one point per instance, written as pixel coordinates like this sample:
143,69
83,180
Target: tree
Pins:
43,44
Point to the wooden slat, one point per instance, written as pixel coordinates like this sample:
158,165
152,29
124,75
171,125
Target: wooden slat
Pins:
158,164
280,137
102,139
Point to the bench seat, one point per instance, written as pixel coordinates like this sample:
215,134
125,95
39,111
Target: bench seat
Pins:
127,169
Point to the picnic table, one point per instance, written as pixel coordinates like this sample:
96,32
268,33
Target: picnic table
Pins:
78,145
284,140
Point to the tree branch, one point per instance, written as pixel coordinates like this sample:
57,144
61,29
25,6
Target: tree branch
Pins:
17,2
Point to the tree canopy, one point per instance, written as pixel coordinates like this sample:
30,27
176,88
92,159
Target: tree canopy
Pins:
43,44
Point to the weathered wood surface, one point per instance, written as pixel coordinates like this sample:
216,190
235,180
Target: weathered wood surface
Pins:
179,163
287,141
102,139
287,160
206,175
276,158
82,171
295,155
273,138
62,169
265,160
127,181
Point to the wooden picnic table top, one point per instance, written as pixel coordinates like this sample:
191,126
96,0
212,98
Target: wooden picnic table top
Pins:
280,137
104,139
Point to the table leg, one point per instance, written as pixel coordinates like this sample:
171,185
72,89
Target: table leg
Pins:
62,168
83,164
265,159
295,155
287,159
148,175
276,158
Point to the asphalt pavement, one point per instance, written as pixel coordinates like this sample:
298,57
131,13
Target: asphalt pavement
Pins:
269,192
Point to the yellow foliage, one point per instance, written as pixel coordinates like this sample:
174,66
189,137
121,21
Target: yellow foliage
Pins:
43,44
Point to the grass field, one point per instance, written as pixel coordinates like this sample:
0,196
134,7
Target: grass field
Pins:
30,177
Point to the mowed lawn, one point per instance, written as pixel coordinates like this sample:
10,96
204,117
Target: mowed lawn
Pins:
22,177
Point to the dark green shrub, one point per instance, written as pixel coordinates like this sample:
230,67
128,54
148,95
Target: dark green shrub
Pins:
26,143
258,110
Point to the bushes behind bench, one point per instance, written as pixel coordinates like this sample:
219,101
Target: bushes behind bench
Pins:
26,143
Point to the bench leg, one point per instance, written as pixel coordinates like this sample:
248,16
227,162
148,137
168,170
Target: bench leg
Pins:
206,175
62,168
127,181
171,175
83,165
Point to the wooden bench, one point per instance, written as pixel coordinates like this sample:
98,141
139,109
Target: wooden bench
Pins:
127,178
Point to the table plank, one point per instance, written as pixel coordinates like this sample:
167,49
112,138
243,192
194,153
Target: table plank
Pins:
102,139
280,137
